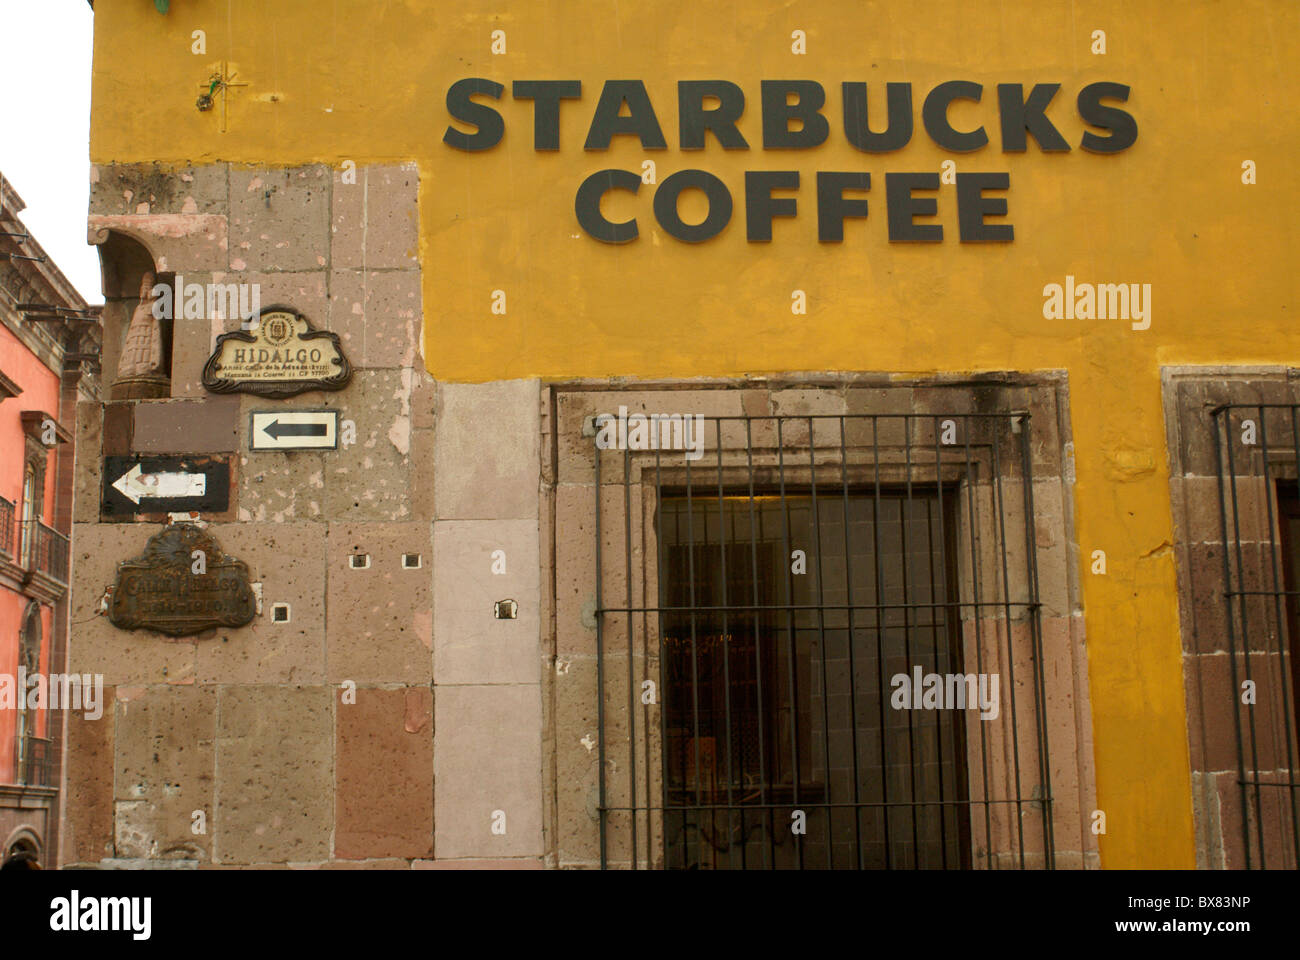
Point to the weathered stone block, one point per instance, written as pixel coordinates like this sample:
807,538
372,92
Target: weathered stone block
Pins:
423,482
143,188
577,746
376,219
275,772
577,453
380,627
377,316
1048,429
387,863
881,429
210,425
86,486
1211,702
575,551
1052,551
801,401
192,342
384,803
279,218
119,421
487,758
424,399
470,644
1254,616
88,824
288,559
369,480
487,450
164,770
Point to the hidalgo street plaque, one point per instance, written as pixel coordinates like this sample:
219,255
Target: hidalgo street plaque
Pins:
282,357
182,585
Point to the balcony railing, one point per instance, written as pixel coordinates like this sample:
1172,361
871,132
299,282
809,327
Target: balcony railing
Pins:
37,766
45,550
6,527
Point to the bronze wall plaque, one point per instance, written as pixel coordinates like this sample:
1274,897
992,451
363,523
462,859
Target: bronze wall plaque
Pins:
159,589
284,356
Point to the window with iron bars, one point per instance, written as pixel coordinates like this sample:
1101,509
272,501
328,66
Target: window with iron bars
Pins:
1256,447
735,738
756,611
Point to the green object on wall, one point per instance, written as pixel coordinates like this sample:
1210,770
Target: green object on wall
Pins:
162,5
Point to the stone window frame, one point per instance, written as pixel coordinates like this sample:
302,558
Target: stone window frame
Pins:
36,460
570,799
1190,396
33,501
31,638
36,455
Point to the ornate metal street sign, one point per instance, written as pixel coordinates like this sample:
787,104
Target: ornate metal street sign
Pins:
182,584
282,357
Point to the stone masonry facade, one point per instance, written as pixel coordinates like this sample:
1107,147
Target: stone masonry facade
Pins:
253,734
390,718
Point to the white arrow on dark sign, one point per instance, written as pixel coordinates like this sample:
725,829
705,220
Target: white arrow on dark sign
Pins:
136,485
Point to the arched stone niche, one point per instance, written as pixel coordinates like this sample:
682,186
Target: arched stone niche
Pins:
22,850
125,263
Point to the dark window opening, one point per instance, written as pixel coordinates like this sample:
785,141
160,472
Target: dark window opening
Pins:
1288,502
785,628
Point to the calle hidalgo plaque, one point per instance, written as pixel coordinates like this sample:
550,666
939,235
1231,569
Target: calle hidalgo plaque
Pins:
160,590
282,357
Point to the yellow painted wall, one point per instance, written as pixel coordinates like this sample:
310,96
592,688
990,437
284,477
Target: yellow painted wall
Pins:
1213,84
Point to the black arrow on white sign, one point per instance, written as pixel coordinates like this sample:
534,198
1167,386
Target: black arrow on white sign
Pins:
293,430
276,429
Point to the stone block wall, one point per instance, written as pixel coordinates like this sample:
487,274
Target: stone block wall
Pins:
390,719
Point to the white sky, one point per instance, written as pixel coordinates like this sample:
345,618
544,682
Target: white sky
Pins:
45,127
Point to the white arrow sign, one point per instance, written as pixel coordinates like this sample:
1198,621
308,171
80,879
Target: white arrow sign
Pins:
135,485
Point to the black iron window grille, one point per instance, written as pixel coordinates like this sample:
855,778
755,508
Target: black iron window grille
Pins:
820,646
1256,447
45,550
36,763
6,527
